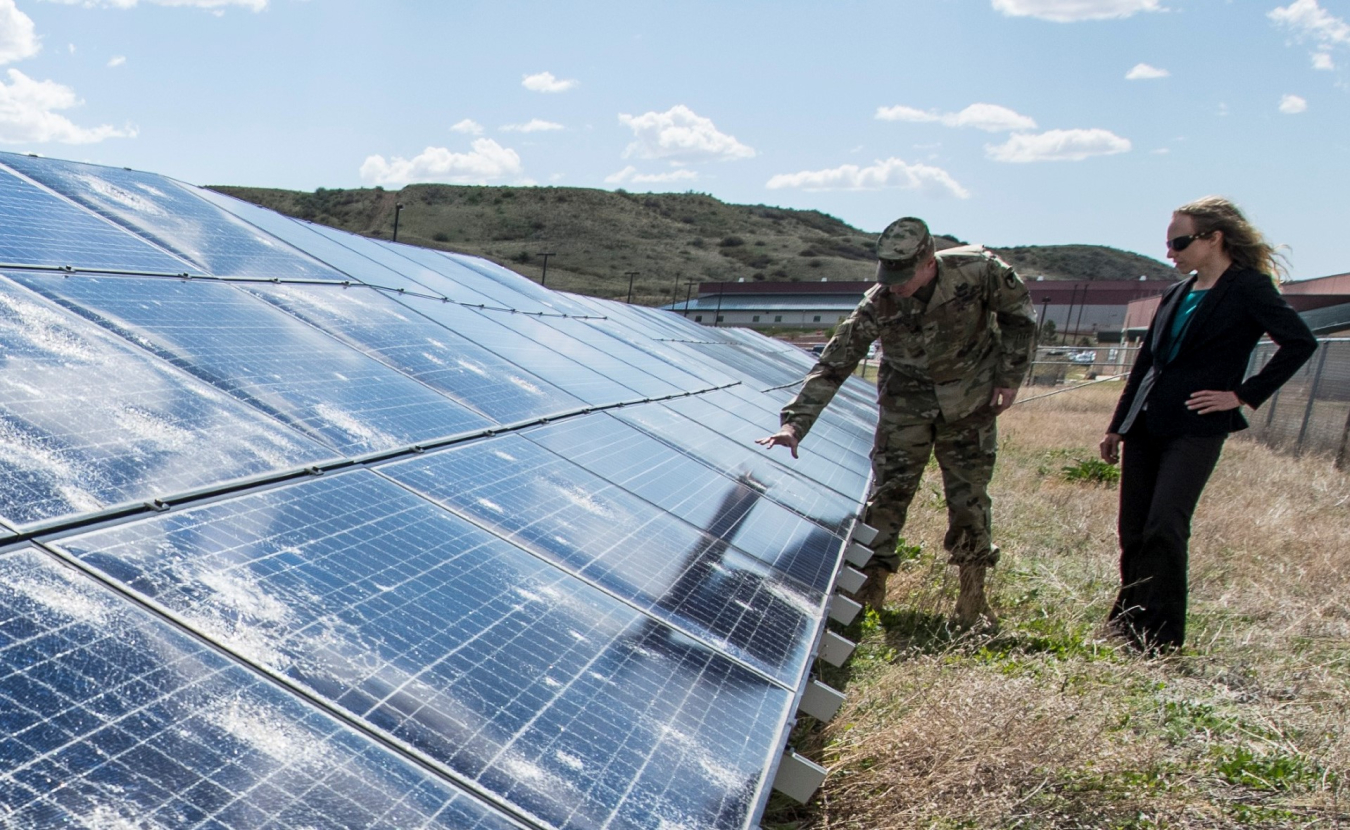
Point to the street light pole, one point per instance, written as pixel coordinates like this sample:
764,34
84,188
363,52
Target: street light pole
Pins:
631,275
398,208
544,277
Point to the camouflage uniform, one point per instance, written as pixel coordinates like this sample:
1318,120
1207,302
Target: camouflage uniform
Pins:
941,361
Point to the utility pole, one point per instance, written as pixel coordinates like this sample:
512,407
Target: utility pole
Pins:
630,275
717,315
398,208
544,277
1040,324
688,292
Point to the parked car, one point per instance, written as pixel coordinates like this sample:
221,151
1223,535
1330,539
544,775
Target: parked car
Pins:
1085,358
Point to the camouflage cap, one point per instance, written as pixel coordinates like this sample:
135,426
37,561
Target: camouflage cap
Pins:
899,248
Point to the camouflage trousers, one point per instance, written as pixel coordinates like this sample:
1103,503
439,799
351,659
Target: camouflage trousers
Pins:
965,451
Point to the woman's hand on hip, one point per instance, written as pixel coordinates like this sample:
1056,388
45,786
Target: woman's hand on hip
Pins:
1110,447
1209,401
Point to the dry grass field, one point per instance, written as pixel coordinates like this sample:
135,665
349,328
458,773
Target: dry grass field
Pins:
1050,724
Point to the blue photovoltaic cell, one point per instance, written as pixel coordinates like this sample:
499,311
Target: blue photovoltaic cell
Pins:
717,410
791,486
41,228
537,335
520,284
626,546
357,257
365,319
268,359
173,217
555,699
469,271
849,442
557,359
111,718
635,360
741,510
88,421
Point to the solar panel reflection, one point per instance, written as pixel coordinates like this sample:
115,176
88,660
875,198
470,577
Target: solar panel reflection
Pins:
529,686
173,217
267,359
739,509
112,718
674,571
417,347
41,228
88,420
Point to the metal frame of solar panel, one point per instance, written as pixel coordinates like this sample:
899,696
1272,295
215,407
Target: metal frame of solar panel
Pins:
304,528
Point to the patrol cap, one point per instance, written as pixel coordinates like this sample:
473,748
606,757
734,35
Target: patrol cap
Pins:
899,248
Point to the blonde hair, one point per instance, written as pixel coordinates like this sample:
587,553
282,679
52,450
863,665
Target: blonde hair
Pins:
1243,243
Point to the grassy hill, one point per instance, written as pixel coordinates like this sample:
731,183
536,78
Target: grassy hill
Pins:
597,237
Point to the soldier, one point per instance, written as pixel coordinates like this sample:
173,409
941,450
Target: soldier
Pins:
956,330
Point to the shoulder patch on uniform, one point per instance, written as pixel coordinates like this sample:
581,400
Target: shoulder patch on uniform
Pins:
1010,279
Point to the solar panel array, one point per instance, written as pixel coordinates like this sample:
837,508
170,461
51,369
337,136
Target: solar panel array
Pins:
305,529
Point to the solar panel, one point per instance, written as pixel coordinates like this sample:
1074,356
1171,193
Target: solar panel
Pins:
88,421
327,532
267,359
793,485
164,212
41,228
738,509
529,687
113,718
678,573
415,346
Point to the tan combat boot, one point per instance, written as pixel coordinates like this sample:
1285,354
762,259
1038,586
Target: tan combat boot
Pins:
872,594
972,609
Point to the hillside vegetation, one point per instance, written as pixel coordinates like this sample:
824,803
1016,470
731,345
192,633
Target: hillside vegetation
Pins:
597,237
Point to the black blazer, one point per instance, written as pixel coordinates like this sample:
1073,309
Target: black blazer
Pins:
1214,352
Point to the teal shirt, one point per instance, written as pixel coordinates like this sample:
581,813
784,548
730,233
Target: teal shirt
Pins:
1182,319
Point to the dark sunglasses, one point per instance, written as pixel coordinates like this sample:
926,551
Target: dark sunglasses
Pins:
1181,243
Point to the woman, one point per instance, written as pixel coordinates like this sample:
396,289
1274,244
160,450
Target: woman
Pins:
1183,398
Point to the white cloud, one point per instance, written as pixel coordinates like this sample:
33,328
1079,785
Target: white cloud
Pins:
116,60
18,38
1144,72
545,82
1069,11
1323,61
1058,145
891,173
681,135
468,126
630,175
988,117
1308,20
1293,105
488,162
28,114
218,5
535,125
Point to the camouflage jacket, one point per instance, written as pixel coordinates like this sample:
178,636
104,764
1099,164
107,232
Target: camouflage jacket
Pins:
940,358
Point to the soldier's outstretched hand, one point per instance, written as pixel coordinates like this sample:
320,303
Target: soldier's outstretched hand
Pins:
1003,398
785,437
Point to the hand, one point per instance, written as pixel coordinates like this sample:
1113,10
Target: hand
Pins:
785,437
1002,399
1208,401
1110,447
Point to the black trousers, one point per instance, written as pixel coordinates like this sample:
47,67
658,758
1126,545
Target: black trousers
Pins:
1160,484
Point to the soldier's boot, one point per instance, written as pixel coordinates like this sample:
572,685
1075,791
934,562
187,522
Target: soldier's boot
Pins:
872,594
972,609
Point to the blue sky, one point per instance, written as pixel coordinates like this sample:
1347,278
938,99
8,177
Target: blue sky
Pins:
1007,122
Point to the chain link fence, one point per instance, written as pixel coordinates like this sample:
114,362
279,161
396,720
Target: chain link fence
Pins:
1310,413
